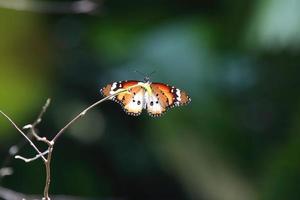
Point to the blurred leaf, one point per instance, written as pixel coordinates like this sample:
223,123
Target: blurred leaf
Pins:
23,84
275,25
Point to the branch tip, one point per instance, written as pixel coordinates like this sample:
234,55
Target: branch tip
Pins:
33,158
28,126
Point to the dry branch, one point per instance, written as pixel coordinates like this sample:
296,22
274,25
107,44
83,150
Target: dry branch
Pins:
50,143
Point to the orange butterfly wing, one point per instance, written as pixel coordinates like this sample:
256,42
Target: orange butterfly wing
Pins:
167,97
132,101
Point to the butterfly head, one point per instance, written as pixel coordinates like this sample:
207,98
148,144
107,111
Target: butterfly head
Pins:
147,79
146,76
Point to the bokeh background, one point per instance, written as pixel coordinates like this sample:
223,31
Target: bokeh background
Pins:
239,61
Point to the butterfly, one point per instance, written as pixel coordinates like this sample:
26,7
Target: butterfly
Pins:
156,98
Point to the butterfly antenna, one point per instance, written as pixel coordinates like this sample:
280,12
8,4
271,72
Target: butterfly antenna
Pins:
154,71
146,76
138,72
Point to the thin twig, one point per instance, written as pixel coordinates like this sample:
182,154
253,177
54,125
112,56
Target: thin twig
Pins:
30,159
38,138
44,109
32,126
30,142
13,150
84,112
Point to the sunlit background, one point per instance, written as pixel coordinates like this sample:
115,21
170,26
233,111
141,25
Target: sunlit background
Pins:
238,60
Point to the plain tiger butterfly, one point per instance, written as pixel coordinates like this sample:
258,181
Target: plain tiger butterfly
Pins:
156,98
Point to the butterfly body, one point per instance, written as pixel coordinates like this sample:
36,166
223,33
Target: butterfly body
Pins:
156,98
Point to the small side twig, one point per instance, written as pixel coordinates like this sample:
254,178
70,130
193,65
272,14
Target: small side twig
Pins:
24,135
30,159
43,111
83,113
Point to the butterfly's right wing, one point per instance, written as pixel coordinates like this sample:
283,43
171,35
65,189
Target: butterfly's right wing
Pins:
131,101
164,97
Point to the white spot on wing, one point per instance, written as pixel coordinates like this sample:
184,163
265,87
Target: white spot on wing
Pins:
133,105
155,108
114,85
178,94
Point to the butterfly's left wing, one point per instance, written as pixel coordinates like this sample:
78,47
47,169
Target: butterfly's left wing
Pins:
163,97
132,101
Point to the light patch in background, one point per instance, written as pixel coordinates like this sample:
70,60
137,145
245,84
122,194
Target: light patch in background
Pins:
178,52
203,171
87,129
275,25
24,72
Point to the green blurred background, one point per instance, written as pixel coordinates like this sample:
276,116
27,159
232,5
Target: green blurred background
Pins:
239,61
